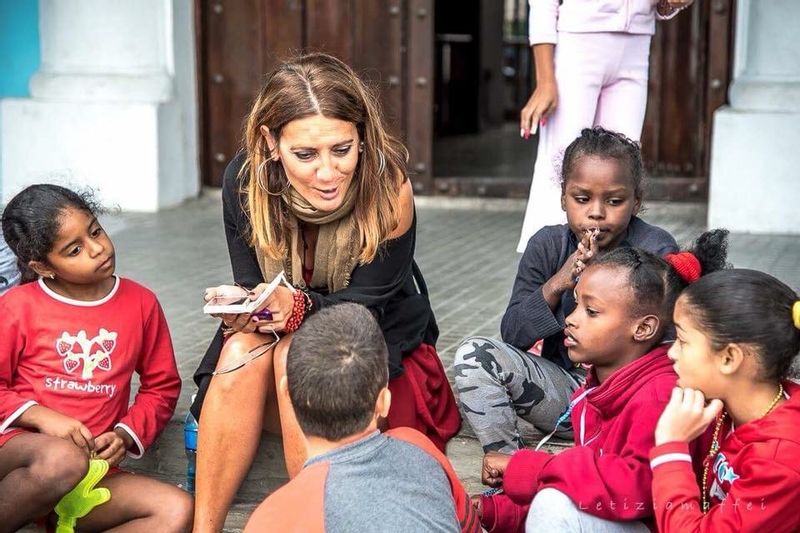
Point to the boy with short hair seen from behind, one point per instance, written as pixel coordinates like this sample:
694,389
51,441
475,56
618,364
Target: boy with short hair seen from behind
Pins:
357,477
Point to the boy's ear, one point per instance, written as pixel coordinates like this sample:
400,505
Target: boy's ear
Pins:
383,403
731,358
646,328
564,201
41,269
271,144
283,389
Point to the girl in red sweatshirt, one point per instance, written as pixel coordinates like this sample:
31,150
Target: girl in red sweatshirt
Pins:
624,308
69,345
738,332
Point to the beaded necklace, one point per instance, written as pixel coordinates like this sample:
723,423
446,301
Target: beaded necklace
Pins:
714,450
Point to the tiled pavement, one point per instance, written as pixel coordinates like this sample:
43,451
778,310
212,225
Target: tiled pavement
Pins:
466,251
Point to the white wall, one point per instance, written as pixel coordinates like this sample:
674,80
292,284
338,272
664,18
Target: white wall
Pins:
113,106
754,180
178,153
754,185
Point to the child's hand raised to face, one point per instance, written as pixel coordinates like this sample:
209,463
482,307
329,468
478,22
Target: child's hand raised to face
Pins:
587,249
567,276
494,465
686,416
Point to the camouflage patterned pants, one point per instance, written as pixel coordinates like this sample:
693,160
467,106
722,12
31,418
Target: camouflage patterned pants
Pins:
497,384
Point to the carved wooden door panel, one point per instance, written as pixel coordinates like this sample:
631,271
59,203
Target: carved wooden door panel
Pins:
689,77
388,42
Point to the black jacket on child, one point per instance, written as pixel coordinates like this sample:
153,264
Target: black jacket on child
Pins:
528,318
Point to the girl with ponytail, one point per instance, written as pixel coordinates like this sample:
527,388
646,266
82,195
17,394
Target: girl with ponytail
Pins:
738,332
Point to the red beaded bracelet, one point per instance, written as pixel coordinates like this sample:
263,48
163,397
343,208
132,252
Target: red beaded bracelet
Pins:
302,304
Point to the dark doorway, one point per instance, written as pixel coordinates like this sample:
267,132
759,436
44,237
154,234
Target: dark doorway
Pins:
484,75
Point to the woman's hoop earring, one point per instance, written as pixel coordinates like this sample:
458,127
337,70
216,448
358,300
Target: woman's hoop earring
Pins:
382,163
260,172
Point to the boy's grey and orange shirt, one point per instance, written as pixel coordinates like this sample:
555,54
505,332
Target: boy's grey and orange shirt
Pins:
378,483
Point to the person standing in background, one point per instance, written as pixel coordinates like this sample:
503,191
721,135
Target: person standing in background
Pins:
592,61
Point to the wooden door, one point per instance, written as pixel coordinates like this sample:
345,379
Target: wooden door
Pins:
388,42
690,71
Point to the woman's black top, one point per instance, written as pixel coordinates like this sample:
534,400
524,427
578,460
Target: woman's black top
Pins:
391,286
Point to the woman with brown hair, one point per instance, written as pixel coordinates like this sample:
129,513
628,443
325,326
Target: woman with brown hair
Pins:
320,192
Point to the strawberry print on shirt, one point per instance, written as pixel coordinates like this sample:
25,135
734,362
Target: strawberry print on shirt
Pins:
93,353
78,358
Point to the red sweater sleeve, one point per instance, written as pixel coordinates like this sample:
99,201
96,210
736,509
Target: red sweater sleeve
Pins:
521,478
12,342
764,498
614,486
160,384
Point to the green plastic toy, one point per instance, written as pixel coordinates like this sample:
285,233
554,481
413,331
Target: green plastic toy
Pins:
78,502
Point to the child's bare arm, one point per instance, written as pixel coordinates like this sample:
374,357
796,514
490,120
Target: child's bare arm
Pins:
53,423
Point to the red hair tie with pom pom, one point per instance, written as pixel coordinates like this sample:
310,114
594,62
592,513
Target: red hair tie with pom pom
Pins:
686,264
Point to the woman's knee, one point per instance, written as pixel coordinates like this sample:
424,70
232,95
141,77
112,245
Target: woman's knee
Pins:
59,465
236,350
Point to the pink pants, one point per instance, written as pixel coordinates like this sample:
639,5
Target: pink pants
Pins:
602,81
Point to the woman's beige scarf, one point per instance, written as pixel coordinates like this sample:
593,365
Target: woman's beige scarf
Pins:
337,250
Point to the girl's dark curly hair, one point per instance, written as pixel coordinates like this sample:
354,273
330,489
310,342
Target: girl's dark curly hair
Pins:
655,283
32,218
604,143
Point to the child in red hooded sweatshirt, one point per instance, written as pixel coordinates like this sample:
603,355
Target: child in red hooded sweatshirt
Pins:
738,332
624,306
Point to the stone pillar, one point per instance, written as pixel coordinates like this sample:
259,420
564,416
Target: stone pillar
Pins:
754,182
112,107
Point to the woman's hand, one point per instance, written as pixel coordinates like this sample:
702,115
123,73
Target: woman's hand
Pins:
540,105
225,291
666,8
53,423
544,99
112,445
243,322
686,416
240,322
494,466
280,304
